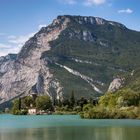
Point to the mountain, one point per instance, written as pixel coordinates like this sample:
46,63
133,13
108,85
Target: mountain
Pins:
5,61
74,53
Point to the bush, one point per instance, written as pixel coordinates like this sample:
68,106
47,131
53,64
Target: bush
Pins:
27,101
43,102
87,107
23,112
77,109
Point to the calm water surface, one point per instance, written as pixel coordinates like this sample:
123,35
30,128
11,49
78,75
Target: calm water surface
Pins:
67,127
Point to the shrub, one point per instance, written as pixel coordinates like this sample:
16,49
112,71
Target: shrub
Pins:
87,107
43,102
77,109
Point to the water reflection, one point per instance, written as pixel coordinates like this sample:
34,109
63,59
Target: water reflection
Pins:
72,133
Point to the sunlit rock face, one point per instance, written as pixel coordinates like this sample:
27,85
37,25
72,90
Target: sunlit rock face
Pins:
73,53
28,73
116,84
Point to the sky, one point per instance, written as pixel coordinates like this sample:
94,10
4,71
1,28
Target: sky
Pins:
21,19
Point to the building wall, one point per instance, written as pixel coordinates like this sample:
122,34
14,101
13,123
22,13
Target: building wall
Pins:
32,111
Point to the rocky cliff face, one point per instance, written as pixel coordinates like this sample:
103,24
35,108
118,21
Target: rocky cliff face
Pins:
116,84
73,53
6,62
28,73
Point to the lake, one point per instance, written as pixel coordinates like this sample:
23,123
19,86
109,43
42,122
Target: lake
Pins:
66,127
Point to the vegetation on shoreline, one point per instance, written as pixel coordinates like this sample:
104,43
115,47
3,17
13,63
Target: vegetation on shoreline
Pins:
22,105
124,104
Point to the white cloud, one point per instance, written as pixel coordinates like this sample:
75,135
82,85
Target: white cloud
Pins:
71,2
11,37
127,11
2,54
19,40
94,2
41,25
14,44
4,46
6,49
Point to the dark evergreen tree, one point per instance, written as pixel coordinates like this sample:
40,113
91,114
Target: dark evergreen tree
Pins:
82,101
72,99
19,105
66,102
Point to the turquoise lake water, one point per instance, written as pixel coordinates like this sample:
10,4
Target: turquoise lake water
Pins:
66,127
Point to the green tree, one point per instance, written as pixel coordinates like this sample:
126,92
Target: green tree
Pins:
72,99
90,100
103,101
19,107
59,103
16,106
87,107
82,102
66,102
28,101
43,102
112,101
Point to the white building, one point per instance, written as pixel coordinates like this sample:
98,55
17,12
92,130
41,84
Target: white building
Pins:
32,111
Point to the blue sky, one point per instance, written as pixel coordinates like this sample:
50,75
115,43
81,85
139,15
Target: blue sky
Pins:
20,19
